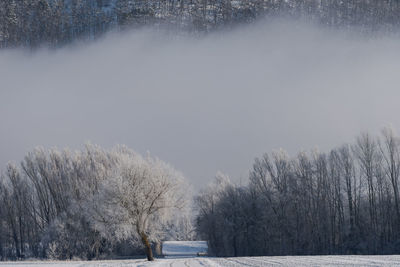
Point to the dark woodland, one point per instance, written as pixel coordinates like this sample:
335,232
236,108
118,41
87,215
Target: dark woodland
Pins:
54,23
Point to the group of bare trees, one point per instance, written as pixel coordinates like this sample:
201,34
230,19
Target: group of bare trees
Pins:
87,204
342,202
32,23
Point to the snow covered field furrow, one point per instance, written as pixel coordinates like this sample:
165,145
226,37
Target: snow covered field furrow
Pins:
311,261
108,263
181,262
288,261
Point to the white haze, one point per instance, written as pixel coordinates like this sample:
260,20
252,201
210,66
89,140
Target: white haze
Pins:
203,104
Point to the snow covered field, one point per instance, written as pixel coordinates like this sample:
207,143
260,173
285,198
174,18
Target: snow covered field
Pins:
184,248
230,262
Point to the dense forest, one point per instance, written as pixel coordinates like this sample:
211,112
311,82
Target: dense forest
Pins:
33,23
342,202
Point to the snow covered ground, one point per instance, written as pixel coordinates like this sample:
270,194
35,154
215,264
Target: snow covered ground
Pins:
392,260
184,248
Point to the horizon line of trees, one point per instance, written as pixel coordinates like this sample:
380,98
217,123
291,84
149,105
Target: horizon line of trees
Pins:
34,23
96,203
90,204
342,202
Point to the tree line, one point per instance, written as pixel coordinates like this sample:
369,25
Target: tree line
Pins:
33,23
98,203
342,202
90,204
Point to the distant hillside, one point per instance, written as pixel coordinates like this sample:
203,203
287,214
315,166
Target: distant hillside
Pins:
31,23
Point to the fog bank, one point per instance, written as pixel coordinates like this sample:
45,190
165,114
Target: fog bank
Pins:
202,104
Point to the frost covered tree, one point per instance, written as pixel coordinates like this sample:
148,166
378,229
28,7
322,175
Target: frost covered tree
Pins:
210,220
181,227
138,198
341,202
390,150
86,204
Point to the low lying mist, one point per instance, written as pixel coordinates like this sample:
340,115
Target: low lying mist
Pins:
203,104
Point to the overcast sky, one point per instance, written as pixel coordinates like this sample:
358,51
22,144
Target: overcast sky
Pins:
203,104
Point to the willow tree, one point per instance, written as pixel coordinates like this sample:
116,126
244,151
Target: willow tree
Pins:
138,198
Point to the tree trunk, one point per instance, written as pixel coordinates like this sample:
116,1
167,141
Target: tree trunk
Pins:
146,243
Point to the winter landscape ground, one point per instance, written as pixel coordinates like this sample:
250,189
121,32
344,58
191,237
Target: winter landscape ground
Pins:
387,260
